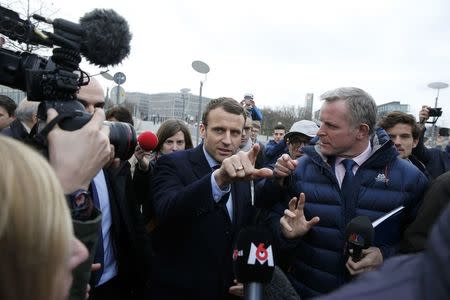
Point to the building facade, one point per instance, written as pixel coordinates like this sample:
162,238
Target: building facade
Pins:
162,106
384,109
16,95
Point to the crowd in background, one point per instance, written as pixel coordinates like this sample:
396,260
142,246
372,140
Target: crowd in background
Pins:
163,224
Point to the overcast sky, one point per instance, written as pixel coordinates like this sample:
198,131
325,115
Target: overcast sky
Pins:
281,50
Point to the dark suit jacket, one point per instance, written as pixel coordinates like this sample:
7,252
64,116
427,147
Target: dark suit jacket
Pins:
131,244
194,237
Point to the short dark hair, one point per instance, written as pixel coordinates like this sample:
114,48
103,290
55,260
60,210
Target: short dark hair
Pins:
228,104
170,127
397,117
8,104
280,127
121,114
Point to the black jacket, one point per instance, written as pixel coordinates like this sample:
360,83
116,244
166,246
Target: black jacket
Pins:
130,242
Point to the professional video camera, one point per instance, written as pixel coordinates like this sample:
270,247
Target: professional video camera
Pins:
102,37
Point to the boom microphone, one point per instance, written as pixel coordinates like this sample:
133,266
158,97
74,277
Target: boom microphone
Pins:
103,36
107,37
148,140
359,233
253,260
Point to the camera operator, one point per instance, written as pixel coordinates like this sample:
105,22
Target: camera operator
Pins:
123,248
55,82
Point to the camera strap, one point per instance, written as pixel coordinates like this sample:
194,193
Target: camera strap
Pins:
41,135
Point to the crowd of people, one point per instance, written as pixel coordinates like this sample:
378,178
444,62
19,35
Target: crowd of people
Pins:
163,225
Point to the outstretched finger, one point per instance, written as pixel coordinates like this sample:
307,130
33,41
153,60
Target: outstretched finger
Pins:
252,154
313,222
301,201
262,173
293,204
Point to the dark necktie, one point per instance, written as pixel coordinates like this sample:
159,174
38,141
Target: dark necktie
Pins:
99,251
347,187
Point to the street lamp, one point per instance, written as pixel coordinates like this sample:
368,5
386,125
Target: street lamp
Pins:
202,68
436,86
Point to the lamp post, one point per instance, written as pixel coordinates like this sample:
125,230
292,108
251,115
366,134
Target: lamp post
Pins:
436,86
202,68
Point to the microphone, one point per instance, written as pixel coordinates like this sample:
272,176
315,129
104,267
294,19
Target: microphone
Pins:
359,233
148,140
107,37
103,36
253,260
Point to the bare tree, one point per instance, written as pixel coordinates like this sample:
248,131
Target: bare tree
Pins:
286,115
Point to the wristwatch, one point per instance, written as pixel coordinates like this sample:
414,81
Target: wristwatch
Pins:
80,204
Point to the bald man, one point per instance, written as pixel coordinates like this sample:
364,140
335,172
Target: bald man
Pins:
123,249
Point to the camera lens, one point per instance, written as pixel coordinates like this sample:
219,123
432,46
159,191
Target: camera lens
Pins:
123,137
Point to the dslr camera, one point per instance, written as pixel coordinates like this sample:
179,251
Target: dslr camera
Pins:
102,37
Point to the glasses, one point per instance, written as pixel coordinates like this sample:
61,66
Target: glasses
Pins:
247,129
298,143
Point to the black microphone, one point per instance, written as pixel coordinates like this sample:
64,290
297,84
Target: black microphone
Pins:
359,233
107,37
253,260
103,36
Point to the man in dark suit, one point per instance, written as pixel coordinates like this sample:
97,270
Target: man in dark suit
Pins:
201,198
123,247
26,118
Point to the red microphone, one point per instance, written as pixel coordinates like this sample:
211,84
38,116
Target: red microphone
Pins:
147,140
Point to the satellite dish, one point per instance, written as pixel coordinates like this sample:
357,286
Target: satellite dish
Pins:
185,91
438,85
106,75
117,95
200,67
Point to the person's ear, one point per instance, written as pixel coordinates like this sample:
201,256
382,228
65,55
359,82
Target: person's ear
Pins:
363,130
202,130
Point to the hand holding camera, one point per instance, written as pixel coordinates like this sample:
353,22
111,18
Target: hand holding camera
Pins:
77,156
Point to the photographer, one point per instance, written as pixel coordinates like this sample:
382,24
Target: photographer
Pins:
55,82
123,248
249,104
437,162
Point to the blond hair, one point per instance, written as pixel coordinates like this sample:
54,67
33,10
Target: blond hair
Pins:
35,225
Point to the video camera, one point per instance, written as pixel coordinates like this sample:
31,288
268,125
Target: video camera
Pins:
102,37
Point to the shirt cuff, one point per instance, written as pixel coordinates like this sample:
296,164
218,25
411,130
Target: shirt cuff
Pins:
217,192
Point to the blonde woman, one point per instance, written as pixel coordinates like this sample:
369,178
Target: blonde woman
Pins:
38,249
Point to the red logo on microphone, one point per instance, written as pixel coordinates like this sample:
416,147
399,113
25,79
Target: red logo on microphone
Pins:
260,254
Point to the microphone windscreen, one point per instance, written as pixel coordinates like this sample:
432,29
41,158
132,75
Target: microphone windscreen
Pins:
360,231
106,37
253,258
148,140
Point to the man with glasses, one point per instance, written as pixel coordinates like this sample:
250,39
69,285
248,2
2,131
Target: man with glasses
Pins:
300,135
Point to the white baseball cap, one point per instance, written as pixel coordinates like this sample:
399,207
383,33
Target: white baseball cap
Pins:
305,127
248,96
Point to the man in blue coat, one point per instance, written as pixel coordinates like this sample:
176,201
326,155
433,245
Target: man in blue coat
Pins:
352,170
201,198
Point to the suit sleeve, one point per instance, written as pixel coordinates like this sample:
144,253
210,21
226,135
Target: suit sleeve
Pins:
174,195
